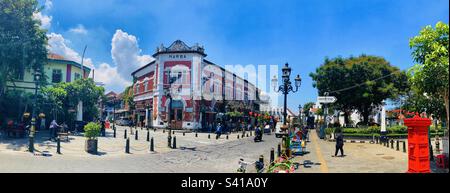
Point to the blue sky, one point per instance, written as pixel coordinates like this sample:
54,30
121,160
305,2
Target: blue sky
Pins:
245,32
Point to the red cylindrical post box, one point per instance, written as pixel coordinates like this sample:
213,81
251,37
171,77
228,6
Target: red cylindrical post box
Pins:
418,148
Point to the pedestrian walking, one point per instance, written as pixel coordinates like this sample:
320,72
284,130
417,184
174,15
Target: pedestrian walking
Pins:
219,130
53,129
339,143
103,128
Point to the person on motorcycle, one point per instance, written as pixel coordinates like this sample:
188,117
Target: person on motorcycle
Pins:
258,133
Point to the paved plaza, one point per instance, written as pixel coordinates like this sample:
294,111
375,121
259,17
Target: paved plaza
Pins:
193,154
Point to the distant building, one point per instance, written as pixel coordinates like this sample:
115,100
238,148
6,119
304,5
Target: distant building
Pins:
58,69
202,92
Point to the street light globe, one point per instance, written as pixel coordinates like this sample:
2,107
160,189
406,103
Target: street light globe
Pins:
274,82
37,75
298,81
286,70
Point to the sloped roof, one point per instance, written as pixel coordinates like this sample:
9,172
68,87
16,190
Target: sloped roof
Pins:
61,59
55,56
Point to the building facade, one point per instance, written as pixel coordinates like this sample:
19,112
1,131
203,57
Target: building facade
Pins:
201,90
58,69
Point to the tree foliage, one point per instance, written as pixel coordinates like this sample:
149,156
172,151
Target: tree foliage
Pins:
65,96
431,73
22,41
307,106
360,83
419,102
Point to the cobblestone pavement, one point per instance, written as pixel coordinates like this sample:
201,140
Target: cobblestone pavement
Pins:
193,154
200,155
110,146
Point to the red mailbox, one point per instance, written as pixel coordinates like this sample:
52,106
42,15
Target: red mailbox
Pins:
419,153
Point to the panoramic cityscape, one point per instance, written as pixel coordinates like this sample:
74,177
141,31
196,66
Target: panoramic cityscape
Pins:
224,87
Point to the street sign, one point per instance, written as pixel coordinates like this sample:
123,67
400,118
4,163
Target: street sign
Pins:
326,99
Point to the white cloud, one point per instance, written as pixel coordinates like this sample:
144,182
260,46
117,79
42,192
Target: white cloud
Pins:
126,53
58,45
46,21
48,4
110,77
80,29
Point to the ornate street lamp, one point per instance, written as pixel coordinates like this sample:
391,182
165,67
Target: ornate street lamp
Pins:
300,112
169,95
147,106
203,108
286,88
37,76
114,100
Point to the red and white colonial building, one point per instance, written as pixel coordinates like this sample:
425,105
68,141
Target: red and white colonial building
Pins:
201,90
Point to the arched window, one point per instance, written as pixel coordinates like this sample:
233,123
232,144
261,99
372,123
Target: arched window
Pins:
146,86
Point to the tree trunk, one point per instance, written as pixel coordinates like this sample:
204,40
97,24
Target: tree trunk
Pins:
346,118
365,114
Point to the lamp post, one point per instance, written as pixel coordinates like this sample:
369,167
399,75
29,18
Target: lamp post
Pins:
169,95
37,76
300,111
147,114
114,114
286,88
203,108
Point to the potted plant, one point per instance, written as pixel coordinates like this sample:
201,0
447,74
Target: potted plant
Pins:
91,132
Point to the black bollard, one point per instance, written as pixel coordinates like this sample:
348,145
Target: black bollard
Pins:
272,155
404,146
279,150
392,144
376,139
209,136
398,145
152,146
184,133
227,136
173,132
148,135
247,134
114,132
261,158
174,142
154,130
136,136
238,136
127,146
196,134
125,134
58,145
164,131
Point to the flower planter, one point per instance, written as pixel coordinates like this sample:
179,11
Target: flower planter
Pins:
91,146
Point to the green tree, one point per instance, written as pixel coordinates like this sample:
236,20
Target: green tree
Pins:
65,97
430,52
308,106
22,41
419,102
128,97
360,83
